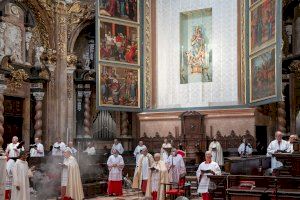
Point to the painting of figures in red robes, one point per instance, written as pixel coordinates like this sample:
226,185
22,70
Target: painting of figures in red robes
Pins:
126,10
263,75
262,29
119,86
119,43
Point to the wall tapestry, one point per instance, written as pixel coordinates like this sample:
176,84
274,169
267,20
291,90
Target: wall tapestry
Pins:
263,76
262,25
119,43
196,47
119,86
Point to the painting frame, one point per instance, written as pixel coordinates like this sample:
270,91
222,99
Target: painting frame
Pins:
268,42
137,64
120,19
272,49
104,106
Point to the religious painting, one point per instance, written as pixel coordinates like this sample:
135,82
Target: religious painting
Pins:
120,9
119,86
119,43
196,46
263,75
262,25
253,2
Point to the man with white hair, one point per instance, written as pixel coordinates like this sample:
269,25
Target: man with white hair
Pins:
141,177
277,146
293,138
71,186
208,167
12,150
138,152
90,150
37,150
115,164
118,146
176,168
58,147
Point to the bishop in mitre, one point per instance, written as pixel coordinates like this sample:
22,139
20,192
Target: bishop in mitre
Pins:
176,167
164,150
216,151
115,164
21,173
141,177
158,176
71,185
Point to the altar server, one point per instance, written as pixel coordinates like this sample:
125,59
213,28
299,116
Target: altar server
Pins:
90,150
9,178
216,150
138,151
158,175
208,167
118,146
21,173
245,148
71,186
140,179
176,168
292,139
13,149
37,150
115,165
58,147
277,146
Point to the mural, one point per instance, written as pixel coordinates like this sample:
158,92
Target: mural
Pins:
119,43
263,76
262,29
253,2
122,9
119,86
196,48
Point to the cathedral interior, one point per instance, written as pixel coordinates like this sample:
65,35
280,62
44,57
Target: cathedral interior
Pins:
189,71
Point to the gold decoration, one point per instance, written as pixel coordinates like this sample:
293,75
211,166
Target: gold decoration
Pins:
295,68
18,76
71,60
49,57
44,74
243,53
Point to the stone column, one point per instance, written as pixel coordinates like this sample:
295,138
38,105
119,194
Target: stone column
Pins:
71,59
2,89
124,124
281,116
87,114
296,32
39,96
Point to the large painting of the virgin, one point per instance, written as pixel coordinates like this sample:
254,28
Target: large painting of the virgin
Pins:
196,46
263,76
121,9
119,86
262,29
119,43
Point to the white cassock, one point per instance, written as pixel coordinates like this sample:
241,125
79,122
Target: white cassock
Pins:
137,153
21,174
38,152
178,170
2,176
216,152
290,147
204,181
118,147
58,149
12,150
145,162
71,179
115,173
9,174
242,150
90,151
272,148
163,153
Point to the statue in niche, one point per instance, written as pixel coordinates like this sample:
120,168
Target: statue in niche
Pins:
37,59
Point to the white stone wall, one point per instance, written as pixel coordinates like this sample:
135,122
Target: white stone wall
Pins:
223,90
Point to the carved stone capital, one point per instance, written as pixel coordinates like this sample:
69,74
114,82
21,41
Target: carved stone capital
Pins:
39,96
71,60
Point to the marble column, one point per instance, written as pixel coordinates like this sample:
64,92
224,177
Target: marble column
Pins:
71,60
87,114
39,96
296,32
281,117
2,89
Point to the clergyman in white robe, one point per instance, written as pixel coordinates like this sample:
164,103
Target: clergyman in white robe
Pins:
9,177
11,150
245,149
38,150
58,148
176,167
208,167
118,146
163,151
276,146
141,177
137,152
20,184
217,153
115,164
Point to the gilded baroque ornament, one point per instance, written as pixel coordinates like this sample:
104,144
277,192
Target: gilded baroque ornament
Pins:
147,54
243,52
17,78
71,60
